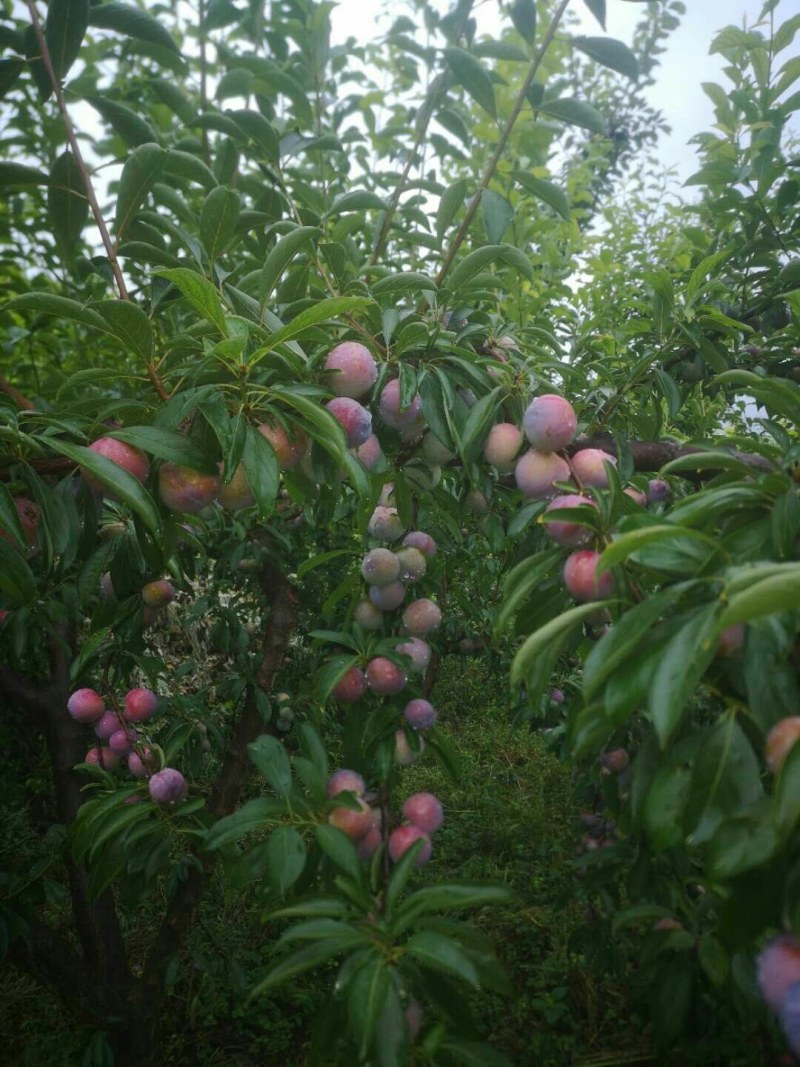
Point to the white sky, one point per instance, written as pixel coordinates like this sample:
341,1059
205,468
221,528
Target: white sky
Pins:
684,65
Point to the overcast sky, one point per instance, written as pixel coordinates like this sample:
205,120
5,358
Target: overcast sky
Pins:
683,67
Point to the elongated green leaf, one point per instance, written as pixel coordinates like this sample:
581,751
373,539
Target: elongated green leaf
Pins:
122,484
142,170
169,445
472,264
20,174
366,996
307,957
279,258
520,582
64,29
184,165
681,666
125,122
340,849
451,897
16,578
67,203
332,308
544,190
259,130
218,220
471,74
261,470
251,817
598,9
442,953
10,522
482,415
199,292
286,858
60,306
553,631
408,281
523,15
628,543
497,215
610,53
357,200
129,324
133,22
779,592
574,113
10,70
269,756
452,199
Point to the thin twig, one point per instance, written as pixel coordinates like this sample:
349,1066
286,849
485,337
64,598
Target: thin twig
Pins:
491,166
87,181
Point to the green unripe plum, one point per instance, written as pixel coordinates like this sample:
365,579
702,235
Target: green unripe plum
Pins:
581,579
502,445
537,472
368,616
380,567
85,705
393,415
413,565
550,423
388,597
384,677
476,503
424,810
422,478
237,494
350,370
588,467
404,754
401,840
421,617
186,490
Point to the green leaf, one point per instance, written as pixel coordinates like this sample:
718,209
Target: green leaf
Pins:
626,544
309,956
470,73
742,843
726,778
122,484
610,53
16,577
497,215
449,897
200,293
271,760
544,190
574,113
279,258
482,415
129,324
441,953
126,123
598,9
551,633
64,30
473,264
10,70
142,170
332,308
523,15
407,281
340,849
451,200
169,445
357,200
779,592
67,203
133,22
218,220
681,666
261,470
252,816
10,522
286,858
20,174
60,306
259,130
366,996
520,582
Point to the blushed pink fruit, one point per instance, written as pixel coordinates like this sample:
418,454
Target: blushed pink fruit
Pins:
346,781
550,423
380,567
401,840
780,740
537,472
140,705
107,725
588,467
289,451
557,696
476,503
391,412
100,756
581,579
4,615
616,761
420,714
350,370
351,687
731,641
370,453
388,597
778,968
168,786
131,459
424,810
183,489
667,923
85,705
353,417
384,677
107,586
404,754
636,495
502,445
368,616
368,845
570,534
158,594
658,490
421,617
29,517
351,822
413,564
424,542
141,763
385,524
237,494
419,653
414,1018
121,741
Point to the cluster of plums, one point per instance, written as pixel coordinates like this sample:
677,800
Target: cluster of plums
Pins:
422,816
117,728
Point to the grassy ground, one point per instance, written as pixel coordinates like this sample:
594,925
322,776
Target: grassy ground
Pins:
511,819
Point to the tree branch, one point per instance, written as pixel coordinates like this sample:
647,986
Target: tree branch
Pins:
18,397
72,139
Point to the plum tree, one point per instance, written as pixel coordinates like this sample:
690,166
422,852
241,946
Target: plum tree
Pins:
385,524
351,822
387,597
780,741
502,445
290,450
423,541
570,534
346,781
778,968
418,651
